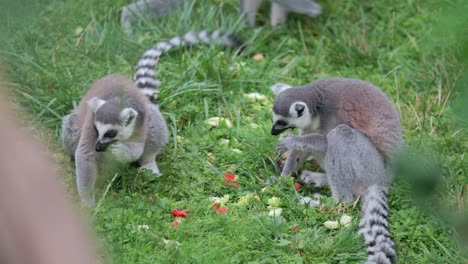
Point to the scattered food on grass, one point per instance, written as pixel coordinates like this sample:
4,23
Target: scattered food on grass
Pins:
179,139
180,213
345,220
217,121
142,227
331,224
230,180
275,212
78,31
247,199
255,97
222,210
224,142
171,243
237,66
258,57
176,222
218,202
236,150
274,202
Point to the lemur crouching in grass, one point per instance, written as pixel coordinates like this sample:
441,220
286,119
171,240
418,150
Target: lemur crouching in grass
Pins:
118,119
160,8
352,129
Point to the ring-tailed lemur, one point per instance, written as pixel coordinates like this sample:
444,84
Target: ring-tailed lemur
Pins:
120,115
351,127
279,10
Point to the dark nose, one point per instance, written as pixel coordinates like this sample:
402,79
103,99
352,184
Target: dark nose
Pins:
276,131
100,146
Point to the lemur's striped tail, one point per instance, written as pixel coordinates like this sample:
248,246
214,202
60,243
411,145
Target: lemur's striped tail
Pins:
145,76
374,227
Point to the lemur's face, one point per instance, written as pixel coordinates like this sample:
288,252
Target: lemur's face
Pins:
288,110
298,116
112,123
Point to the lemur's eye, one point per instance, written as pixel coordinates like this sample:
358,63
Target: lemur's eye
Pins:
281,123
110,134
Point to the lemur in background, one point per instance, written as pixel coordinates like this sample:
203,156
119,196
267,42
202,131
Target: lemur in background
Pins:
160,8
279,9
120,115
353,130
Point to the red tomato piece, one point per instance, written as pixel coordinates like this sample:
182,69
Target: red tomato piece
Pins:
222,210
180,213
230,176
229,180
297,186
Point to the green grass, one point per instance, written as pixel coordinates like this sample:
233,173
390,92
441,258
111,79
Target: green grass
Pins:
65,46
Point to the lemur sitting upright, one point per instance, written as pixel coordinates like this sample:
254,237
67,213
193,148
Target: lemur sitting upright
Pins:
120,115
351,127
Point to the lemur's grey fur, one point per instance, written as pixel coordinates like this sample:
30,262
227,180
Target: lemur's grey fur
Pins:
120,115
279,10
352,129
147,8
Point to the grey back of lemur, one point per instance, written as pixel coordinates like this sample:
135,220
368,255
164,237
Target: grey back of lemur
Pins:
118,119
351,127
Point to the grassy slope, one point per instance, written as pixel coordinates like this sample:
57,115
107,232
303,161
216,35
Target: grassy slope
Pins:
72,43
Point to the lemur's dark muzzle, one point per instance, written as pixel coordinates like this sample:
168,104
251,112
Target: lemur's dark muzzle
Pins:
276,130
100,147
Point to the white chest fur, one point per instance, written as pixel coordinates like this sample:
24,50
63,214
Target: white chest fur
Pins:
126,152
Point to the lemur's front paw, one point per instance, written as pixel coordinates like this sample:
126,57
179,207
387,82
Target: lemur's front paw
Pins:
120,152
317,178
286,143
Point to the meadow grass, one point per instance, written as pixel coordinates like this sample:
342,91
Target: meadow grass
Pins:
62,47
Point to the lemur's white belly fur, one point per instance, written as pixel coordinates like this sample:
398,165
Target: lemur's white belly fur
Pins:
126,152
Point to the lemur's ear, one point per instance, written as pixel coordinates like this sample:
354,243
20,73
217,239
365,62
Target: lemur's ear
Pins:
279,87
127,116
95,103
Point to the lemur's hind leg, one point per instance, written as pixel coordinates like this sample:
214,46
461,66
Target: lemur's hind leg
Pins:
352,163
250,8
157,138
70,133
278,15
